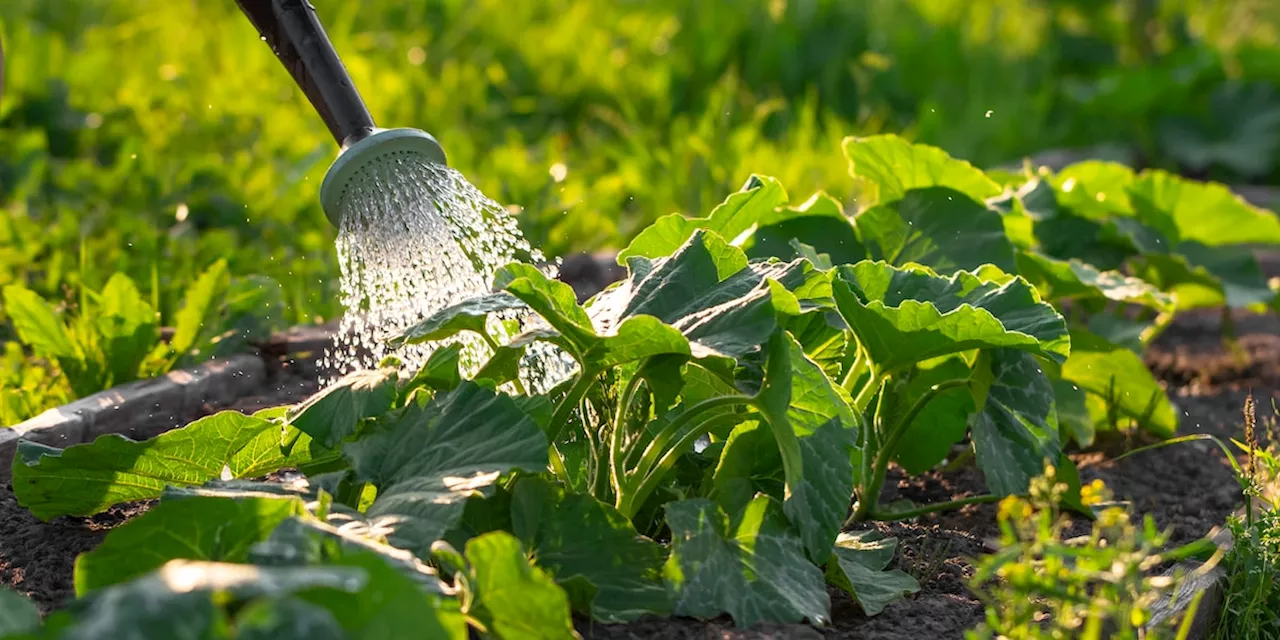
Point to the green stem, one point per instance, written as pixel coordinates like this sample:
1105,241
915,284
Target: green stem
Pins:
870,498
864,396
934,508
577,391
855,368
649,483
617,455
659,445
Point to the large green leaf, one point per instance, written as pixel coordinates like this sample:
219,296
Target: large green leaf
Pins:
89,478
941,423
286,618
1205,213
514,599
758,198
18,614
576,536
819,223
815,429
469,315
1016,430
1205,277
938,227
402,599
1095,189
889,166
426,461
638,338
904,315
1065,279
752,568
1119,385
708,291
205,528
749,464
857,566
333,414
185,599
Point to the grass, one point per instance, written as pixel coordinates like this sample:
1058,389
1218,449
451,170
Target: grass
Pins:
153,138
1251,596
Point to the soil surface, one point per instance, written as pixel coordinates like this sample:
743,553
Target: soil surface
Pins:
1188,487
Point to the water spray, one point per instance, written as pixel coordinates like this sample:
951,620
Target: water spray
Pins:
293,30
414,236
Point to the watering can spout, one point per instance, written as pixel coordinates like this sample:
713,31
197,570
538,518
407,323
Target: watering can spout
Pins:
293,31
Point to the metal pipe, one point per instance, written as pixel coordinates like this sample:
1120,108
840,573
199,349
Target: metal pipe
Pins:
294,33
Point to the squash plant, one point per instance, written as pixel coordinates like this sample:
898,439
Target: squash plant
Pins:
734,403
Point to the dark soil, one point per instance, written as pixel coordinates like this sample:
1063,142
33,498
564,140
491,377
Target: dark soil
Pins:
1188,487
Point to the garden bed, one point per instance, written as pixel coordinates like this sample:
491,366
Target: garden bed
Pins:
1188,487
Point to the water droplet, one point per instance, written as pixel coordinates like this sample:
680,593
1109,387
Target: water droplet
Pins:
989,112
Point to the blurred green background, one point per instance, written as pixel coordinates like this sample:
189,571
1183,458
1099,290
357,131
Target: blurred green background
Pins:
153,137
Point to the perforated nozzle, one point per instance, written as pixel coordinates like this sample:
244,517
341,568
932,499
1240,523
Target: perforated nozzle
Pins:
353,162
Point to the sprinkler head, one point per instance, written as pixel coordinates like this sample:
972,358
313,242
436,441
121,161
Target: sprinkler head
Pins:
361,154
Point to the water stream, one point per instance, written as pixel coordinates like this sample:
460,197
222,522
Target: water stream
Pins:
415,238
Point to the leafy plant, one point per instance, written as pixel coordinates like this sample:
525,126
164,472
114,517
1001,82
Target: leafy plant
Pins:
113,337
1040,585
733,404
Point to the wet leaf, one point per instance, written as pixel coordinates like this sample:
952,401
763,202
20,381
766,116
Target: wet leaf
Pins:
89,478
333,414
428,460
752,567
757,199
576,536
469,315
514,599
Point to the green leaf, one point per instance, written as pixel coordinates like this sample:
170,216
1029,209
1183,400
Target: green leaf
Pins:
819,223
749,464
576,536
1073,412
938,227
858,564
127,326
815,428
286,618
515,600
183,598
889,166
942,422
1119,385
439,373
752,568
428,460
206,528
1095,189
758,198
36,323
403,599
708,291
334,413
1064,279
86,479
1241,131
1203,212
199,304
469,315
18,614
1016,430
1239,276
903,316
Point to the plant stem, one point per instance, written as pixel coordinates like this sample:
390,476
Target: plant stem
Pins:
658,446
617,457
934,508
650,482
586,378
864,396
868,501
